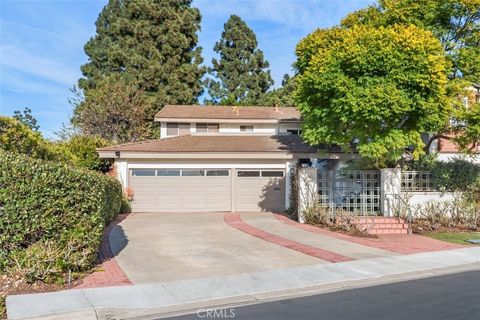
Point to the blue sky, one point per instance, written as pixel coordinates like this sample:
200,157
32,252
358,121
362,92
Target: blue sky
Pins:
41,44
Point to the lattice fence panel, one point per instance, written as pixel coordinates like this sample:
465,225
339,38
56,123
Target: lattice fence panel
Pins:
353,190
417,181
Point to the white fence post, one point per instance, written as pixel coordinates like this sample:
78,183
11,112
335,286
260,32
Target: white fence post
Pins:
390,185
307,190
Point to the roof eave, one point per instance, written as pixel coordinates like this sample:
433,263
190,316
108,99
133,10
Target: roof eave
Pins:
116,154
224,120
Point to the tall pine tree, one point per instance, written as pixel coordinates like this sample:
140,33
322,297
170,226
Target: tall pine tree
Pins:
241,75
150,43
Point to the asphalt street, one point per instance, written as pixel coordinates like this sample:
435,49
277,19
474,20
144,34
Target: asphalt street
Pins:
455,296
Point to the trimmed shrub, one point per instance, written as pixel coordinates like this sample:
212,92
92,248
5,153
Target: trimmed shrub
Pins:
456,175
16,137
52,215
80,151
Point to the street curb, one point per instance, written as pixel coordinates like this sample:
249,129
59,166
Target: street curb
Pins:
308,291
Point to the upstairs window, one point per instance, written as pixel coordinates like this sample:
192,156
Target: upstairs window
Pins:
184,128
175,129
172,129
207,127
246,128
213,127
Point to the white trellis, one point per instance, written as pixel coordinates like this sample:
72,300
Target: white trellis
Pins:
356,191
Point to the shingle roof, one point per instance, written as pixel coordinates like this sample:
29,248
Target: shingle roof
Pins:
228,112
218,143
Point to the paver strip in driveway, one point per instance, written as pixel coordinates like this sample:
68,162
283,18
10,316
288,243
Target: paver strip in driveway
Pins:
234,220
156,247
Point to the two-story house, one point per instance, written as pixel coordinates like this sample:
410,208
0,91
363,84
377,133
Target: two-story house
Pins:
214,158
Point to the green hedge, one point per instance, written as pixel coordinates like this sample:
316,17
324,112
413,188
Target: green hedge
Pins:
455,175
52,215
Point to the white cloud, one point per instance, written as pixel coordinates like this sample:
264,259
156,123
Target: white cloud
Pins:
23,85
46,68
297,14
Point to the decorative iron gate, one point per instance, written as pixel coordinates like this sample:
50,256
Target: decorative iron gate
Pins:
352,190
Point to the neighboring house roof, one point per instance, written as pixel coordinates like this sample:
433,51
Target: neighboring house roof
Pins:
228,113
288,143
449,146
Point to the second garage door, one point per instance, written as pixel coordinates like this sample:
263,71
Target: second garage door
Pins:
260,190
180,190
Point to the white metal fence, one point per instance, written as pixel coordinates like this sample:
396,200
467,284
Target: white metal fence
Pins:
355,191
417,181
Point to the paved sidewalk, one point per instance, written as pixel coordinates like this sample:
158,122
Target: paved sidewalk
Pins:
174,296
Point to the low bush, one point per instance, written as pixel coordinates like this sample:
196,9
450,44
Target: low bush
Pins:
341,220
52,215
459,213
458,175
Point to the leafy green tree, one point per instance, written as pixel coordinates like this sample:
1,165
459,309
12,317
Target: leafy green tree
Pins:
241,75
26,118
456,23
18,138
375,90
114,110
153,45
283,96
81,152
77,150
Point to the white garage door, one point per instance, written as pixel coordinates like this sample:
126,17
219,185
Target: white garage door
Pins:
260,190
180,190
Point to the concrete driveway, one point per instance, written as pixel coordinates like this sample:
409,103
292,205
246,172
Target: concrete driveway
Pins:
155,247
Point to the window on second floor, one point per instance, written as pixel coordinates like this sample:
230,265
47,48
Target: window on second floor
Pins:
207,127
175,129
246,128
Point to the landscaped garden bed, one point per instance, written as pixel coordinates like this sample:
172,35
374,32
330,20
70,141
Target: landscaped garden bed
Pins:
343,221
454,234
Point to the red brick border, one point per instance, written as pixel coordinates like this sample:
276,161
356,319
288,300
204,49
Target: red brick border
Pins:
108,272
235,221
399,243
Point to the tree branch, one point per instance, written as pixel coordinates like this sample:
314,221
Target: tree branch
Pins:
433,138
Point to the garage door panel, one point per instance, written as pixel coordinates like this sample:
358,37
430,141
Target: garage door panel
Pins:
253,192
180,193
257,193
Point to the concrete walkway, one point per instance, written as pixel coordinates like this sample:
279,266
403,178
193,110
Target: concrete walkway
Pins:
174,296
269,223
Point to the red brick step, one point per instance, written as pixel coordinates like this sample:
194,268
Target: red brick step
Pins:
382,225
